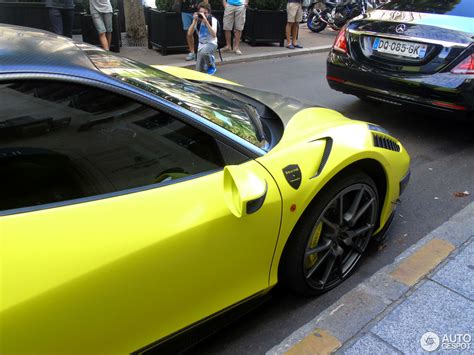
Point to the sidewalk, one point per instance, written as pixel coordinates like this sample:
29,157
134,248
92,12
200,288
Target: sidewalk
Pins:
312,42
422,302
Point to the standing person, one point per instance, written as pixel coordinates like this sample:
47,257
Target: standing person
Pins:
188,8
102,13
234,18
61,16
295,15
206,27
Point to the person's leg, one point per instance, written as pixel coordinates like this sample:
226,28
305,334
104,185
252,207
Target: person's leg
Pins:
108,35
200,61
238,34
239,26
68,21
228,25
289,26
291,12
190,41
296,26
228,45
56,21
294,33
103,41
99,25
109,28
187,19
207,52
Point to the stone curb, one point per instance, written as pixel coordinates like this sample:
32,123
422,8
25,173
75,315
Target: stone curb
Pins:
372,299
260,56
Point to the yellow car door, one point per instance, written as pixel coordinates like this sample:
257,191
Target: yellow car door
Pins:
121,224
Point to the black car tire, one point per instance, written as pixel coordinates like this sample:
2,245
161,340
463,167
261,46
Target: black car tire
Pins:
294,268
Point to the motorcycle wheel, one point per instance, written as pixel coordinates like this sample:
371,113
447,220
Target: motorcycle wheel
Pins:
314,23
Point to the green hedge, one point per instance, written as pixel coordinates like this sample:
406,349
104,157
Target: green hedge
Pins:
164,5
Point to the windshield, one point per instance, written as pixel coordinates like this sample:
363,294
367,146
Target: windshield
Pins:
463,8
233,115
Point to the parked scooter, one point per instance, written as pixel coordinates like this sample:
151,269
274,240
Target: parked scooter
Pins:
335,13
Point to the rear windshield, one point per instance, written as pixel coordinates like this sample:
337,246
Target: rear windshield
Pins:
463,8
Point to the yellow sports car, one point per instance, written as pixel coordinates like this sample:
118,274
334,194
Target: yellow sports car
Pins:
138,203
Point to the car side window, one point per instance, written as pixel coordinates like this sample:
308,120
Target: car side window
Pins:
61,141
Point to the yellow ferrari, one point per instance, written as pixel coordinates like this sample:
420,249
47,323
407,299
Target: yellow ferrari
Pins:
140,203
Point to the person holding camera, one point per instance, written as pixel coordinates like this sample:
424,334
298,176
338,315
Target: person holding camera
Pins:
187,8
206,27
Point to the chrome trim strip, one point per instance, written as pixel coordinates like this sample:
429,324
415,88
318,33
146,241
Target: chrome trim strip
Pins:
410,38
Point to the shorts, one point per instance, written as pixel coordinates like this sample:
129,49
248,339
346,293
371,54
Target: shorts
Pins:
295,12
234,17
102,21
187,18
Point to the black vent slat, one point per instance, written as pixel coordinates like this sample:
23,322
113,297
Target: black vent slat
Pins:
385,143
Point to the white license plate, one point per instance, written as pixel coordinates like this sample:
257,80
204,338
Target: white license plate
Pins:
404,49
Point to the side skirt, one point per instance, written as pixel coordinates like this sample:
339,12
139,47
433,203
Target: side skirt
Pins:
188,337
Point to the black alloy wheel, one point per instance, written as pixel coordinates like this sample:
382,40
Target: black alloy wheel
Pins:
332,236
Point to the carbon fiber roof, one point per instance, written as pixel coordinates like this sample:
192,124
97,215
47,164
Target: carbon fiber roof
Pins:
24,49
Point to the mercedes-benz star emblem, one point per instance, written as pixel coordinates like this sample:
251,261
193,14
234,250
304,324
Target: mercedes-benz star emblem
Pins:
401,28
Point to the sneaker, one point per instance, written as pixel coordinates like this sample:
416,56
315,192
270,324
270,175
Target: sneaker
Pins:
226,49
211,70
238,51
190,56
290,46
298,46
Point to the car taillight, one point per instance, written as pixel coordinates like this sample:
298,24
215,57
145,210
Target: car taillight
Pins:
340,44
465,67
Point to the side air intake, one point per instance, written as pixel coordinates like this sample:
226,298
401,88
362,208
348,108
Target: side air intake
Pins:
381,141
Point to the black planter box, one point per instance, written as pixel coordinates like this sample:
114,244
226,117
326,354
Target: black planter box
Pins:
33,15
165,31
265,26
121,14
90,35
25,14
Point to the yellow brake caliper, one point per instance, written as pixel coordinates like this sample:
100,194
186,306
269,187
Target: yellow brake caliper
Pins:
311,259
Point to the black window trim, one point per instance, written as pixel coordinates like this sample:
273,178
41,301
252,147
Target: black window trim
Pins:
132,96
133,93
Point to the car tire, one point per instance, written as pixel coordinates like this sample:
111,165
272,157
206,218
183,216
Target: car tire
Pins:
332,235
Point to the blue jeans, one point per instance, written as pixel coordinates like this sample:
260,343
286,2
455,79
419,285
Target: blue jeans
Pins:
187,18
62,21
205,58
